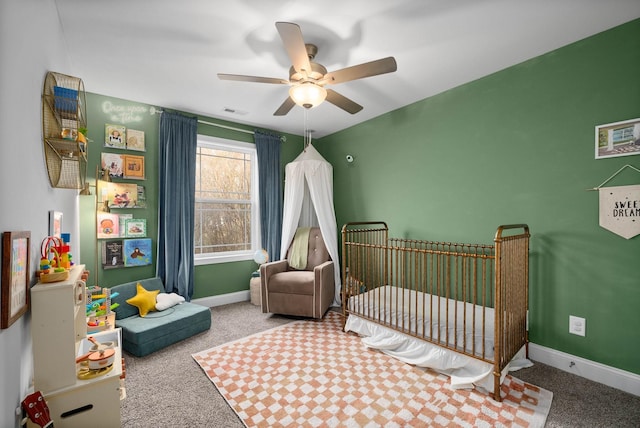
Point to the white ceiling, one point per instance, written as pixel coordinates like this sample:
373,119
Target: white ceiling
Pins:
167,53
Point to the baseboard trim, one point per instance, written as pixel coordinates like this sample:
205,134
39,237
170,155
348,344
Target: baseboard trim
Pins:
223,299
610,376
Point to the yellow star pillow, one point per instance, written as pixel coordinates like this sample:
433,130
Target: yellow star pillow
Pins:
144,300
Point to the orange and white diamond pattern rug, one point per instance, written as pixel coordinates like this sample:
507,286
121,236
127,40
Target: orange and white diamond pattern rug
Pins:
312,374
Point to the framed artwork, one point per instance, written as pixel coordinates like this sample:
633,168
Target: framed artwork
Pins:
55,223
108,225
15,276
112,255
117,195
114,136
618,139
133,167
137,252
135,140
135,228
112,163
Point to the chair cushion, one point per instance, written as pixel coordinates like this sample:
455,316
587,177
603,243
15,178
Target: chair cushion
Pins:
318,252
292,282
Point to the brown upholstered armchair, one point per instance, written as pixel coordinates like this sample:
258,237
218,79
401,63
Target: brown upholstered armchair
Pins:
308,292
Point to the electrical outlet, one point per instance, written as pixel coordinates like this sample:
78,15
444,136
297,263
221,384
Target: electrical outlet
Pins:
577,325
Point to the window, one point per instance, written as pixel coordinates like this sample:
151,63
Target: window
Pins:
622,135
226,207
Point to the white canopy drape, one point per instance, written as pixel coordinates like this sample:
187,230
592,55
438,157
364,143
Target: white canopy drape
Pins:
308,202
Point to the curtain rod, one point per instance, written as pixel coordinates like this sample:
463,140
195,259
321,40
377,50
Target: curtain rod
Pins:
219,125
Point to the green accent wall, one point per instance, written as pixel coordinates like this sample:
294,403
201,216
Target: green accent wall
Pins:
517,146
210,280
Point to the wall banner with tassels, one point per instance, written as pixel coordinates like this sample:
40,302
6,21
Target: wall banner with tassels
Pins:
620,210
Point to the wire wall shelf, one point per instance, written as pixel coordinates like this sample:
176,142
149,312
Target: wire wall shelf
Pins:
64,121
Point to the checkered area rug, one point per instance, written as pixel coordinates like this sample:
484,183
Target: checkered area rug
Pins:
312,374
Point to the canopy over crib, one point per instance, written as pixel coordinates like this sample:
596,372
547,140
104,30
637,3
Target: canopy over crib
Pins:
308,202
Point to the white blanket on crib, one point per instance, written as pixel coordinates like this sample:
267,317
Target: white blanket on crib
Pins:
448,321
464,371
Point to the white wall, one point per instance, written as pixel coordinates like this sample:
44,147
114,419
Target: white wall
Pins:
31,43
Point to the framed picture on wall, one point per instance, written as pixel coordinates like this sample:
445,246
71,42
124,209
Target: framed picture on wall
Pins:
133,167
15,276
55,223
618,139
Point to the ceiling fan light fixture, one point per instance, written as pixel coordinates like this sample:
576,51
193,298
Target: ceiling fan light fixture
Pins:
308,94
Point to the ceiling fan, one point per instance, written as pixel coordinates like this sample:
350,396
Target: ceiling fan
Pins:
307,78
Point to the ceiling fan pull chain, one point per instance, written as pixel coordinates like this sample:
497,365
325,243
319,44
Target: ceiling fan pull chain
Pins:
306,128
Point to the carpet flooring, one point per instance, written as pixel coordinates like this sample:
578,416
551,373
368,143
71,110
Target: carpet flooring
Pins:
310,373
168,388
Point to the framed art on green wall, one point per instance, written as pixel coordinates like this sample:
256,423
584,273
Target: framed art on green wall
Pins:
618,139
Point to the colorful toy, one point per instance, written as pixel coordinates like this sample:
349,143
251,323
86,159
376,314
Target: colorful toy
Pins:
55,246
57,268
45,265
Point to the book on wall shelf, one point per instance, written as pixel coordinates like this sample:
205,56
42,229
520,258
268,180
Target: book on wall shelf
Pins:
135,140
113,163
114,136
137,252
122,195
123,223
112,254
141,200
133,167
135,228
118,195
108,225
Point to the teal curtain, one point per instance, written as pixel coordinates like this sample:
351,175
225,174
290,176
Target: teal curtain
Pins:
270,191
178,143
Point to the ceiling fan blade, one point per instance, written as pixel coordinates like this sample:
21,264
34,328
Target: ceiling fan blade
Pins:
373,68
294,44
241,78
286,106
343,102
